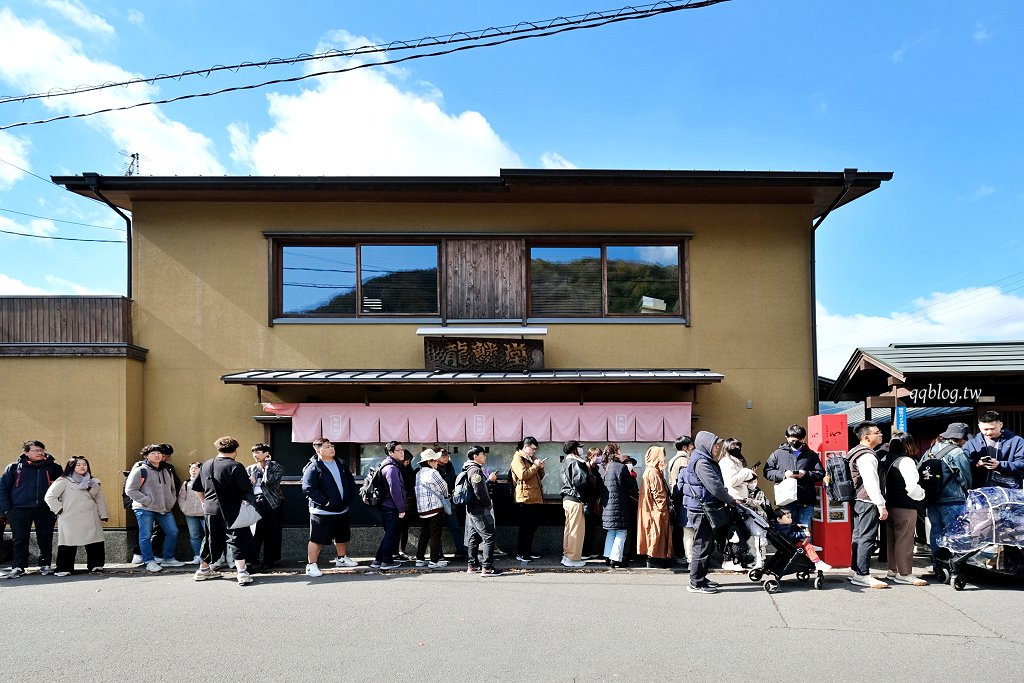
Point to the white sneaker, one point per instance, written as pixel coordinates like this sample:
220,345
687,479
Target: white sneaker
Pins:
345,561
868,580
172,563
313,570
890,575
575,564
136,559
822,566
158,560
153,567
910,580
729,566
421,563
244,579
196,560
437,565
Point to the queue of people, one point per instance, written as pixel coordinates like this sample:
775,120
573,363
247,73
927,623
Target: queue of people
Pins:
678,510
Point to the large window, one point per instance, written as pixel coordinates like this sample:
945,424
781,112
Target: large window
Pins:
357,280
606,280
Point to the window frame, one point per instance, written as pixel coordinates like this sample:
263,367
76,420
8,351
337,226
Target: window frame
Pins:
681,243
278,246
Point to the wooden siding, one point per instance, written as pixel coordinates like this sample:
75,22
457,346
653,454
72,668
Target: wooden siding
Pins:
65,320
483,279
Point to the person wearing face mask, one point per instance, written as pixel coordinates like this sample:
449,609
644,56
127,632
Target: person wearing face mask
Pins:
795,460
527,471
78,501
191,505
593,539
682,535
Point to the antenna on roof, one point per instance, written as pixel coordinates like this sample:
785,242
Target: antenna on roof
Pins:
131,164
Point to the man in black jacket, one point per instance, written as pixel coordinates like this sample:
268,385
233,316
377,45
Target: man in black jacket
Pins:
329,487
22,487
795,460
479,514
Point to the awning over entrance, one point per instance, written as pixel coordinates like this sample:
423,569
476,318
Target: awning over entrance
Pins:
485,423
427,377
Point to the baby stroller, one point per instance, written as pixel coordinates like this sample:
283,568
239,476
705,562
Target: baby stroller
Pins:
787,559
987,538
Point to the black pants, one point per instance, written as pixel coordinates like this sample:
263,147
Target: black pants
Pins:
702,537
21,520
528,514
480,534
404,524
268,533
95,556
219,538
431,533
593,534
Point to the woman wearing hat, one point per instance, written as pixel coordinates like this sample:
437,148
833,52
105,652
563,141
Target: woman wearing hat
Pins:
431,493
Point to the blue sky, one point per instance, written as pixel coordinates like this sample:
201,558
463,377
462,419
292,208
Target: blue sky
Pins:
927,90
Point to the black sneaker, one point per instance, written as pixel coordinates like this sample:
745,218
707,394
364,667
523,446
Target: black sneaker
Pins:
712,584
493,571
15,573
522,558
390,565
707,590
45,570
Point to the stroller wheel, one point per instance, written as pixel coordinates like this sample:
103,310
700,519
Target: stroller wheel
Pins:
819,582
755,574
941,575
802,576
959,583
772,586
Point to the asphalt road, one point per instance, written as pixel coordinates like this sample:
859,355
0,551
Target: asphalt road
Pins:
634,625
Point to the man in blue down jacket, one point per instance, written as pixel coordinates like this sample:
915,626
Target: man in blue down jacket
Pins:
703,486
22,487
997,454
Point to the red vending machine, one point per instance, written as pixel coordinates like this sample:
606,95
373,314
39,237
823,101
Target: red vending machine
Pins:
831,528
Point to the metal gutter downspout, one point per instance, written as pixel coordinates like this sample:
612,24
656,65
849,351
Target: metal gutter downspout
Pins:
93,181
849,175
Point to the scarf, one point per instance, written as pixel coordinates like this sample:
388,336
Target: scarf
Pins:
83,482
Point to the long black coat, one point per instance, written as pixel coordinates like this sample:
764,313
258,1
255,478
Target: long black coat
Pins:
619,497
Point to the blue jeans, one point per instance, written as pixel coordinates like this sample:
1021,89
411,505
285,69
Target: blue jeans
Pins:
196,531
615,544
392,530
167,523
802,514
940,516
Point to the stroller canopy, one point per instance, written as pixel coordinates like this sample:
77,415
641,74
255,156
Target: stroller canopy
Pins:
992,516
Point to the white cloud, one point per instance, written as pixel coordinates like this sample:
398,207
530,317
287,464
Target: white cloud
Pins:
973,314
11,287
136,17
14,151
900,53
554,160
34,226
75,12
364,123
981,34
169,146
984,191
62,286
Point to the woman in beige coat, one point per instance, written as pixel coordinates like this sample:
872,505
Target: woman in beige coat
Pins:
653,528
77,500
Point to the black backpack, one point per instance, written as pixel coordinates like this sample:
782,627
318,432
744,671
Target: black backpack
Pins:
934,472
374,487
839,480
461,490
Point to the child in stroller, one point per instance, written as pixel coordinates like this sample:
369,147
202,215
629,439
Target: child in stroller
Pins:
798,535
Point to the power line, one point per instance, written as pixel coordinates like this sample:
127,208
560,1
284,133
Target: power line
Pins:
63,239
654,10
59,220
395,45
45,180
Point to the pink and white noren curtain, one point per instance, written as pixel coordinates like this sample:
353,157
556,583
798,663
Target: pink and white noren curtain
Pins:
485,422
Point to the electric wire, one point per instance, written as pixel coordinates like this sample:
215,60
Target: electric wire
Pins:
278,81
445,39
63,239
60,220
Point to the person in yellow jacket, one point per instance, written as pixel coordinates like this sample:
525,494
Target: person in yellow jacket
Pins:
527,471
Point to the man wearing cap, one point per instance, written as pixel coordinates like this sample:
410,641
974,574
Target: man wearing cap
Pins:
451,520
996,453
479,515
955,468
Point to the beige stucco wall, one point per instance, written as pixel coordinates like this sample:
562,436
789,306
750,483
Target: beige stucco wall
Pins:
76,406
202,286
